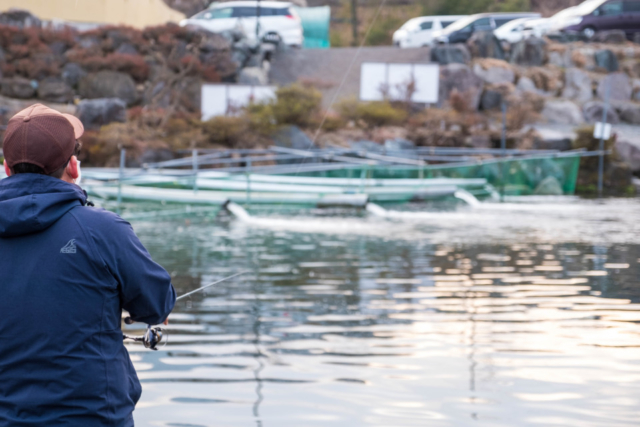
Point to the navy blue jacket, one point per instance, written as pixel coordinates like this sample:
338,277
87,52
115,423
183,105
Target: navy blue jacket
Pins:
66,272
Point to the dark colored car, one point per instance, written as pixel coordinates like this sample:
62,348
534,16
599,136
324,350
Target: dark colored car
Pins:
461,30
592,16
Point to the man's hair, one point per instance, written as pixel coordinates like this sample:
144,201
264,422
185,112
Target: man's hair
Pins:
31,168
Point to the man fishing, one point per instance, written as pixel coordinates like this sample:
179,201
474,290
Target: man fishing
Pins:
66,272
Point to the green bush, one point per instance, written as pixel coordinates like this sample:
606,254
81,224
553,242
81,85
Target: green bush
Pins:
370,114
296,105
380,113
224,130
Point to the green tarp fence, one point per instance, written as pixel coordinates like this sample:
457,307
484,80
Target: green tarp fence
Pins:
315,25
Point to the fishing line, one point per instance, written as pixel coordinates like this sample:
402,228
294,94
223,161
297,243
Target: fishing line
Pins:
213,283
153,335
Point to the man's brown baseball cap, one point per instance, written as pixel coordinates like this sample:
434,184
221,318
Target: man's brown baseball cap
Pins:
41,136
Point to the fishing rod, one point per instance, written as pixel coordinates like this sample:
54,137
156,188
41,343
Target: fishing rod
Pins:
153,335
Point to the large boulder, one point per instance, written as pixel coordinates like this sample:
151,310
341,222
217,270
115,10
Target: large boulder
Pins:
593,113
55,89
617,86
456,53
484,44
611,37
525,84
577,85
562,112
72,73
293,137
494,71
629,113
606,60
529,52
630,154
254,76
108,84
491,100
18,87
94,113
460,78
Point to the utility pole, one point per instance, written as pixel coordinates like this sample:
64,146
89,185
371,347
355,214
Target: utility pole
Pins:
354,21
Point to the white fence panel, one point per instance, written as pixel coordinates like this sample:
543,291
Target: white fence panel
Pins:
223,100
392,81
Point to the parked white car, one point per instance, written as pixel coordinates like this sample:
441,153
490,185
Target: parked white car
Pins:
418,32
512,31
278,21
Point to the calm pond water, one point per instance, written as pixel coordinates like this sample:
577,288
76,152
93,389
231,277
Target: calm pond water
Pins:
502,315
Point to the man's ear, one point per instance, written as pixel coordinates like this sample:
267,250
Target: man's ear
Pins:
72,168
6,168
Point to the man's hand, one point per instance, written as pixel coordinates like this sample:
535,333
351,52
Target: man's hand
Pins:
166,322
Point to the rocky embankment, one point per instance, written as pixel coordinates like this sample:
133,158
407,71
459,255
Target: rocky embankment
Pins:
110,69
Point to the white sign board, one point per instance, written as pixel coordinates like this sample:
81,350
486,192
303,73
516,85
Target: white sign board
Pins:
602,130
223,100
379,80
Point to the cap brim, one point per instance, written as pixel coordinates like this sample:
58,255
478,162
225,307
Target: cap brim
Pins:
78,128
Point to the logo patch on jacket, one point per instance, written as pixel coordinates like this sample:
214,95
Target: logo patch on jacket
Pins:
69,248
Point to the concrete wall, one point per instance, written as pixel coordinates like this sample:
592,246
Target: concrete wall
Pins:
135,13
327,67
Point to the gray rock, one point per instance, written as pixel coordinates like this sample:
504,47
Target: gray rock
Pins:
494,75
364,145
562,112
606,59
484,44
630,154
398,144
58,48
18,87
611,36
253,76
55,89
593,113
456,53
88,42
293,137
490,100
525,84
577,86
108,84
529,52
629,113
72,73
462,79
618,86
189,92
127,49
94,113
557,58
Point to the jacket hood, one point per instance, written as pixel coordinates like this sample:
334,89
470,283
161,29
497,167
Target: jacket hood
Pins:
30,203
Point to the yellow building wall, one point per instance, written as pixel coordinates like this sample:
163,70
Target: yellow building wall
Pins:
135,13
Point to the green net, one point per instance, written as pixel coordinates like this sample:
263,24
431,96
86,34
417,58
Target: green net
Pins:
525,176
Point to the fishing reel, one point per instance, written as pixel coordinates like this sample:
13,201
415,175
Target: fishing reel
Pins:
151,338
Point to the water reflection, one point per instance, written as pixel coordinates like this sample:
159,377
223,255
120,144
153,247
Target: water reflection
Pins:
404,324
